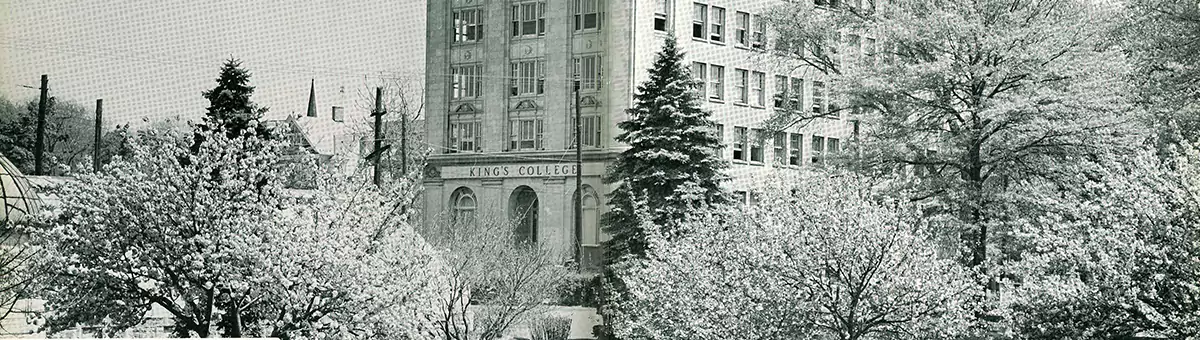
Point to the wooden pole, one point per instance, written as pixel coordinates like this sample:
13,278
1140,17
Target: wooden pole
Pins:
40,146
96,143
377,178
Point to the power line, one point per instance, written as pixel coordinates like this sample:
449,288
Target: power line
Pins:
277,67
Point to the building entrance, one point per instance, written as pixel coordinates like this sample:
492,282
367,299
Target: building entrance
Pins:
523,212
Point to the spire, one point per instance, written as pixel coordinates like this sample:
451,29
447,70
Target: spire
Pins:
312,99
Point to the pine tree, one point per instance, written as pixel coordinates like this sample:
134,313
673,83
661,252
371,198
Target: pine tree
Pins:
670,166
230,109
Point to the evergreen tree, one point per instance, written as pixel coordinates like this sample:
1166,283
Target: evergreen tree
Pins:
670,167
230,109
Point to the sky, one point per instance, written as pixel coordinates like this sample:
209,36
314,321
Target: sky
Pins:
151,59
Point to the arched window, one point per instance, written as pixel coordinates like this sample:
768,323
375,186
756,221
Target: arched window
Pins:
462,205
589,234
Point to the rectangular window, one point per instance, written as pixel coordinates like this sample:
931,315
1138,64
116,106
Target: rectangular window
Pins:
525,133
465,136
740,197
739,143
781,91
468,26
717,77
794,150
700,21
818,149
797,98
742,37
718,25
759,38
869,51
720,141
588,14
756,146
589,69
742,84
700,71
818,104
780,144
529,19
527,77
831,146
854,44
466,81
661,15
758,81
590,127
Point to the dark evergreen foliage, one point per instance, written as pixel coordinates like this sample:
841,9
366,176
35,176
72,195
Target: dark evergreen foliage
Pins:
230,109
670,167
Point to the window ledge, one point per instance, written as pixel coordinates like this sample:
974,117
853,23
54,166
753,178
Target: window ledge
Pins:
696,39
758,106
526,95
527,37
718,101
464,43
740,104
756,163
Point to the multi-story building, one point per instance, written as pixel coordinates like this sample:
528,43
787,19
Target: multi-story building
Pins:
501,106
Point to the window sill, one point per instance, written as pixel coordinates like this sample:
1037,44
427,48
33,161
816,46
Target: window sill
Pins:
716,100
738,161
758,106
464,43
698,39
756,163
716,42
527,37
741,47
526,95
741,104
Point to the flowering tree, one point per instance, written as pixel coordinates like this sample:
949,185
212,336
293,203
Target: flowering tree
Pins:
817,260
345,264
493,280
1115,254
973,93
212,237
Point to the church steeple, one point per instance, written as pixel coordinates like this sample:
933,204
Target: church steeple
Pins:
312,99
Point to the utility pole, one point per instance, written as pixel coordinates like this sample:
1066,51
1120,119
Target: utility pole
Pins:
40,146
404,142
578,177
96,142
378,134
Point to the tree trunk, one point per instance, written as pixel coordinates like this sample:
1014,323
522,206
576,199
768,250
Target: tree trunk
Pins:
236,330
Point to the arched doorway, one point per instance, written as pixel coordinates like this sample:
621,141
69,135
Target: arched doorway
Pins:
523,212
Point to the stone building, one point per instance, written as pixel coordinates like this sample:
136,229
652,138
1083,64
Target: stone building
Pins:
501,106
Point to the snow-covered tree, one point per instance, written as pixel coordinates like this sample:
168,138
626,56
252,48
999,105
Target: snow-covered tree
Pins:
670,163
818,259
492,280
213,238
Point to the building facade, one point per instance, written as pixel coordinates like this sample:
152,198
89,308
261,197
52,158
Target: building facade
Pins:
501,105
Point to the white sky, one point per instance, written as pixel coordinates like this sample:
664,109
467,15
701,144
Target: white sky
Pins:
151,59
